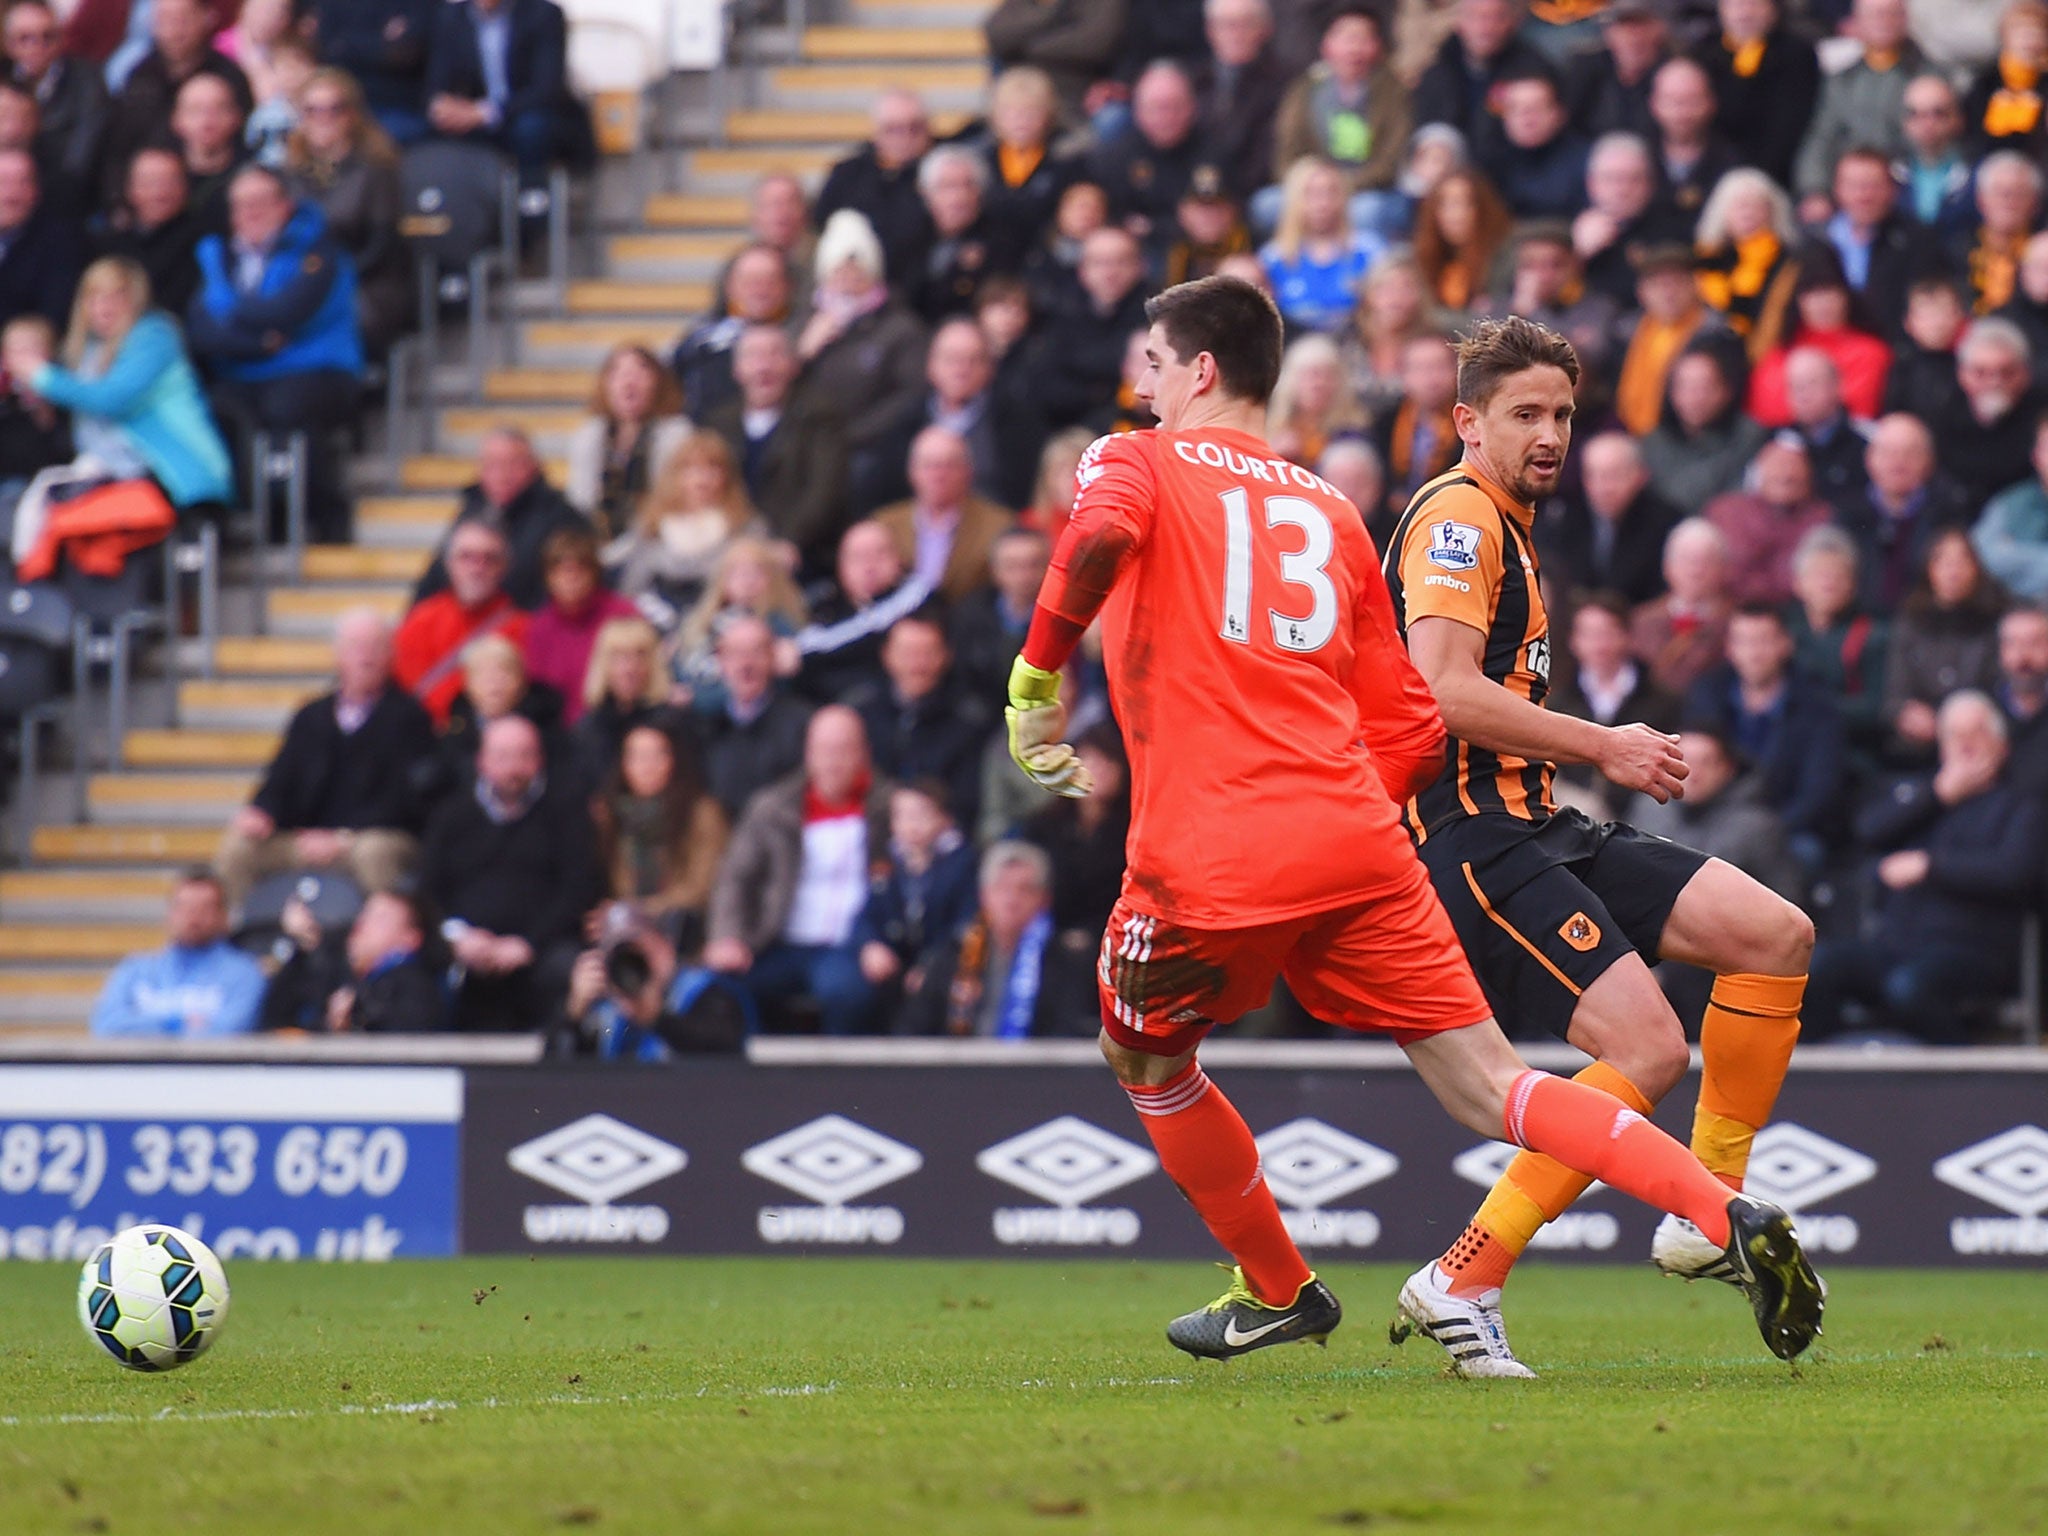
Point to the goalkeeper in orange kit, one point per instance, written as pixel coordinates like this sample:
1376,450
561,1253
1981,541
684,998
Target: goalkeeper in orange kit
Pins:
1252,654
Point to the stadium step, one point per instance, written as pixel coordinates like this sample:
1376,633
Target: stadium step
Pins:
232,704
919,13
48,997
675,302
550,426
273,656
895,43
311,611
736,170
404,523
77,941
670,256
356,562
156,844
957,87
585,342
199,749
696,211
92,895
205,799
537,386
842,130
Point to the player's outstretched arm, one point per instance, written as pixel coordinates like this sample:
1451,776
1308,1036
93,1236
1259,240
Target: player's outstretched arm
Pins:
1450,655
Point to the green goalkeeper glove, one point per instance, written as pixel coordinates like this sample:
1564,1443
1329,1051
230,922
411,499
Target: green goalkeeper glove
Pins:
1037,722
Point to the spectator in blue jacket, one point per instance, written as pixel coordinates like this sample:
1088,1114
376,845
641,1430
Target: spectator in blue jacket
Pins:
135,403
1782,721
2011,535
275,323
926,894
497,71
199,984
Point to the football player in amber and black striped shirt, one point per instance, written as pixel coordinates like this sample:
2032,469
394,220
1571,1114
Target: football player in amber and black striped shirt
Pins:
1562,917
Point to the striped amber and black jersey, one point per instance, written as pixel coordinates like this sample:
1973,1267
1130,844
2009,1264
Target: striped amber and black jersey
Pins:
1463,551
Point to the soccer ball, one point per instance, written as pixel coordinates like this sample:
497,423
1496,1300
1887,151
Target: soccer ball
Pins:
153,1297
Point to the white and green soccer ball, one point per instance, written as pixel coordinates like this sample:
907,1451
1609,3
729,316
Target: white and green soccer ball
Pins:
153,1297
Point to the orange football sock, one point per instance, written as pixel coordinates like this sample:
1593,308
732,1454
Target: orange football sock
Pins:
1586,1129
1207,1150
1534,1189
1746,1040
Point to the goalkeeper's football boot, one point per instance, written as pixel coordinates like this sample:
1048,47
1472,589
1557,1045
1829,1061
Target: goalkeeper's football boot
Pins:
1469,1327
1681,1250
1770,1266
1237,1322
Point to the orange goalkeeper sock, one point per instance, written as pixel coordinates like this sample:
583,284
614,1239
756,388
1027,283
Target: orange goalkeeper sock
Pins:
1534,1189
1746,1040
1586,1129
1207,1150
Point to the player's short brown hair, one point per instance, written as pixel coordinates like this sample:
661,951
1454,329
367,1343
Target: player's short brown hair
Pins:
1230,320
1497,350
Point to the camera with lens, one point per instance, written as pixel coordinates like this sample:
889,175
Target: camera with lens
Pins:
627,966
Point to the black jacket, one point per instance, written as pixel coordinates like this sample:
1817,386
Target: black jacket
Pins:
527,522
1681,197
1144,181
740,758
888,198
1076,360
984,645
537,58
1005,453
1765,113
383,43
1902,252
1087,869
408,997
1983,867
1066,1004
1802,762
39,269
946,274
940,736
168,253
533,877
1237,135
141,114
71,125
796,475
1456,90
1634,562
1984,458
324,779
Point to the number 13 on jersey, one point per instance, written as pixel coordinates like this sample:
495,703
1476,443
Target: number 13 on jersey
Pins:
1302,568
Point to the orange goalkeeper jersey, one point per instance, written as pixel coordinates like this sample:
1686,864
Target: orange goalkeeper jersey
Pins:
1252,655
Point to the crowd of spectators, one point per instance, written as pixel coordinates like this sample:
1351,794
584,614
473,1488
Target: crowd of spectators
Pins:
726,704
200,223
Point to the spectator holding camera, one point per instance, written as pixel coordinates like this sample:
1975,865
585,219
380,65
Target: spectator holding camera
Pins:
379,978
632,999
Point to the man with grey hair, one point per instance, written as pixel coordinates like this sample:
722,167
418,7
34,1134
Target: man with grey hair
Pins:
512,494
880,179
1957,859
1621,215
963,244
339,793
1240,88
943,530
1903,502
1984,433
1680,635
1355,467
1009,976
1146,171
1609,537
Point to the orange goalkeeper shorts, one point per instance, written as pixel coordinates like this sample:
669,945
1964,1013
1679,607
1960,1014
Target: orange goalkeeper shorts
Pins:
1390,965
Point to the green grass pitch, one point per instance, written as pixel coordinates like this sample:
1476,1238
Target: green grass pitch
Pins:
838,1395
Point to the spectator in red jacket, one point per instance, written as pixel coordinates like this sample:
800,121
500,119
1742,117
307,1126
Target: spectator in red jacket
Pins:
427,655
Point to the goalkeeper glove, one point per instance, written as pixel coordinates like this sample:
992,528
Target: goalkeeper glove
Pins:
1037,722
